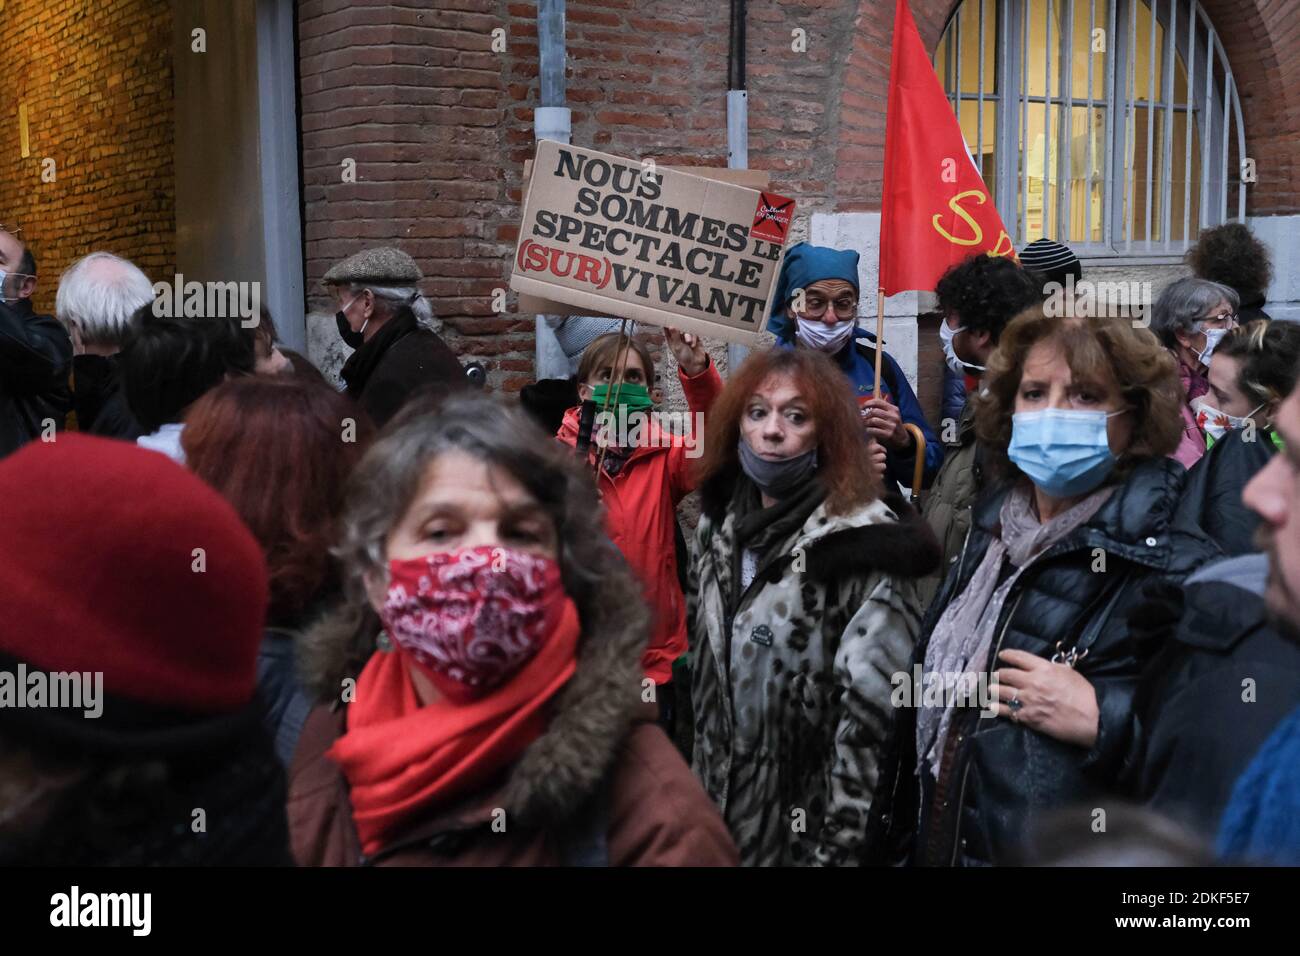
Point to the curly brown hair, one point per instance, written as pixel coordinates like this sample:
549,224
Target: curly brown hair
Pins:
1232,256
1106,351
844,459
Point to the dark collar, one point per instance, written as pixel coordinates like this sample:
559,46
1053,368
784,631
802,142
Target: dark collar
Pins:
906,548
361,364
1218,616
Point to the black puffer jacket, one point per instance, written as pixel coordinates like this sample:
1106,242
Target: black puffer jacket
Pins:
1211,499
995,774
35,353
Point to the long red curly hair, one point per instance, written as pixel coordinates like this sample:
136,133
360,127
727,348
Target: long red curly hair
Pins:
843,453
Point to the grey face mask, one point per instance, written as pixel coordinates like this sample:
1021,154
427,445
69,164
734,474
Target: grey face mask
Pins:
777,479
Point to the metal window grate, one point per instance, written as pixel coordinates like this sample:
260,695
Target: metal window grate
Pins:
1157,129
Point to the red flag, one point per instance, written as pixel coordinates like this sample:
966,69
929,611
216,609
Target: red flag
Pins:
936,211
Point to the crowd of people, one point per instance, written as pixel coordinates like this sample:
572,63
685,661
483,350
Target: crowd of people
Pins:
402,622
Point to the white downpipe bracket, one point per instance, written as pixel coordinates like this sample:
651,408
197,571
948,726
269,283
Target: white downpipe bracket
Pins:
553,122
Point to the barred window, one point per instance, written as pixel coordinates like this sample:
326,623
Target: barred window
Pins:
1110,125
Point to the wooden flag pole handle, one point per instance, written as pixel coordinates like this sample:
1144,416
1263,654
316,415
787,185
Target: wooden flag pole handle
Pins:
918,470
880,335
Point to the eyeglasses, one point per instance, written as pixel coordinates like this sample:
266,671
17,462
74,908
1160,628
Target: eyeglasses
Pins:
846,307
1229,320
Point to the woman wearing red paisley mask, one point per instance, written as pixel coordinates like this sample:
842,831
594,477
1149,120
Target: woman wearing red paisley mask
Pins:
480,694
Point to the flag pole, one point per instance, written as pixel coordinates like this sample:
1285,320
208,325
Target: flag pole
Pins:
880,334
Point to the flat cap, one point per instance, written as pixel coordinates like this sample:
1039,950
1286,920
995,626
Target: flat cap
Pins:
384,265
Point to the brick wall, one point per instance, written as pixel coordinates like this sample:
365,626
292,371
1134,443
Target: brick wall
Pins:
440,125
1260,37
1262,41
417,99
443,124
97,81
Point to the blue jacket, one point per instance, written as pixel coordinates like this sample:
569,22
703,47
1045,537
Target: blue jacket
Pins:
954,393
1261,822
861,372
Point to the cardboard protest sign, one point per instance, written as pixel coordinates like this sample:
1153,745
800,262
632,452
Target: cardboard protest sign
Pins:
751,178
613,236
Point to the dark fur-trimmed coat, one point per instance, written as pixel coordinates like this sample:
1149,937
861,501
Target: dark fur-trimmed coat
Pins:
602,785
792,693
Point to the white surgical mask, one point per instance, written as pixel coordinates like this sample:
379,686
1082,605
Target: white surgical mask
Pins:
1216,423
946,335
4,281
1212,339
816,334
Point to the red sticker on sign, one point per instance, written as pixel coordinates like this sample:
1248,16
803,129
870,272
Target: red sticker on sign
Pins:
772,218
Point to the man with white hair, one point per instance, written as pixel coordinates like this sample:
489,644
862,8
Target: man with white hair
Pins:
34,354
382,315
97,296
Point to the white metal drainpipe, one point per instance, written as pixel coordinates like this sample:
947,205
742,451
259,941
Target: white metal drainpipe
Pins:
737,129
551,120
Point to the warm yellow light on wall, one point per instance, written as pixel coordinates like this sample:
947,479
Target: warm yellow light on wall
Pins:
22,129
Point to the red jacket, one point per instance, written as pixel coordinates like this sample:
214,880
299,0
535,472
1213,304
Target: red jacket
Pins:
640,514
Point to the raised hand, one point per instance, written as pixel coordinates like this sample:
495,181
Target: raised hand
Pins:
688,350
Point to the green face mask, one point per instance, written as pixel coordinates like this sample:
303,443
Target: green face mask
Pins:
627,398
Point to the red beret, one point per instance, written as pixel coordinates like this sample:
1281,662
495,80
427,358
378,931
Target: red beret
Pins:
117,559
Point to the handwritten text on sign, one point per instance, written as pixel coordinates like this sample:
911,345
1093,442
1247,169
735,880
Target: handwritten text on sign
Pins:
659,246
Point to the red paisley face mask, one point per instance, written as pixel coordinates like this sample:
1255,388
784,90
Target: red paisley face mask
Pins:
472,618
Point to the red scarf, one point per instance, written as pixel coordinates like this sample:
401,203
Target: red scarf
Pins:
401,758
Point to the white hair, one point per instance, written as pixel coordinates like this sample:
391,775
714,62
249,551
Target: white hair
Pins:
101,292
396,296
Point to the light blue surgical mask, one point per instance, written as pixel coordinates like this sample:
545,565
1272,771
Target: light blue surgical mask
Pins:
1212,339
1064,452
